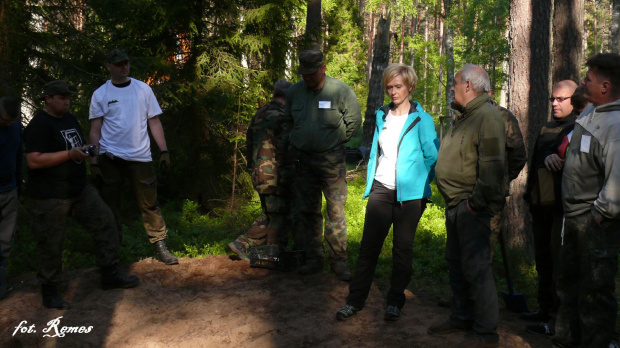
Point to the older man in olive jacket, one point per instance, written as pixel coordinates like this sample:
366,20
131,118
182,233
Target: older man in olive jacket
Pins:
470,176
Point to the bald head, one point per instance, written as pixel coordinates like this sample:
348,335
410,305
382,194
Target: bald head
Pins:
560,98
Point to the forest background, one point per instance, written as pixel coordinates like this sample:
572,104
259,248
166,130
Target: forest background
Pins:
211,64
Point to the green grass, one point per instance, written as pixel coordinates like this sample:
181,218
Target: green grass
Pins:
194,234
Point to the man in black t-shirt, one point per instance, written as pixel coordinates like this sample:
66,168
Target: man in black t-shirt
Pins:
55,153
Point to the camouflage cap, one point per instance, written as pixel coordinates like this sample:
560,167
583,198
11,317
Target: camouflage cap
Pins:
310,61
57,87
116,55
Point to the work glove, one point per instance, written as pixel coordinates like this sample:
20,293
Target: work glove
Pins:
96,176
164,161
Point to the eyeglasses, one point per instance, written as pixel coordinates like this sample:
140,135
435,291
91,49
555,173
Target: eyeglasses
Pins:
558,99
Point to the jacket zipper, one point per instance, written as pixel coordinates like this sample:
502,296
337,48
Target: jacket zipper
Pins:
417,119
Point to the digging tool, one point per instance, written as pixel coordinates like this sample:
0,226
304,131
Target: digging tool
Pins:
514,301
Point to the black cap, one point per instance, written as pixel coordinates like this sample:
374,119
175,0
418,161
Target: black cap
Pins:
57,87
116,55
310,61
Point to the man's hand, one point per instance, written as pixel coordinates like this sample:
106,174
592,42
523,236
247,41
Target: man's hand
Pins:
471,210
554,163
96,175
164,161
78,154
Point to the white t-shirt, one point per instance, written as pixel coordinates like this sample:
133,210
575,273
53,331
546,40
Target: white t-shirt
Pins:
125,113
388,141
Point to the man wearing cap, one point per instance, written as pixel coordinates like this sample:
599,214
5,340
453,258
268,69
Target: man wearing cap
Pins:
120,111
55,153
10,180
323,114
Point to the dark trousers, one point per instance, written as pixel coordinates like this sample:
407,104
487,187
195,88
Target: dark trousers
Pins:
586,282
474,300
322,174
8,222
383,211
50,224
546,228
143,181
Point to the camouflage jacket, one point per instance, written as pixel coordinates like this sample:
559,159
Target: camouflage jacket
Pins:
265,149
516,156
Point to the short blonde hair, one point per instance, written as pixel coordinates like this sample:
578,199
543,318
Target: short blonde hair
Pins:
410,79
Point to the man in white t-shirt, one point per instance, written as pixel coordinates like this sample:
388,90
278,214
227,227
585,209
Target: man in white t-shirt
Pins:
121,110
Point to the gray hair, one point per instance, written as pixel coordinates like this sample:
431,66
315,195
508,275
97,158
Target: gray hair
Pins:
477,76
280,89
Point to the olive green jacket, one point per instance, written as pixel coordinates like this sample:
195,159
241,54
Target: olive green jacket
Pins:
471,158
323,119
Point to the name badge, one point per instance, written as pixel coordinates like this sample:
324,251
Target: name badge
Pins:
585,143
325,104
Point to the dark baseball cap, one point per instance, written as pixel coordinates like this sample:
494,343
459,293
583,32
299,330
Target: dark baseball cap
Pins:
57,87
116,55
310,61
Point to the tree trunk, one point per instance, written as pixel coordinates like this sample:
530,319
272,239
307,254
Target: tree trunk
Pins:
567,39
401,53
381,59
414,24
313,25
615,27
440,43
449,51
371,40
529,69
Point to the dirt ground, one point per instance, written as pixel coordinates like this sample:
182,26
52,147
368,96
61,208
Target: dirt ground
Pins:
220,302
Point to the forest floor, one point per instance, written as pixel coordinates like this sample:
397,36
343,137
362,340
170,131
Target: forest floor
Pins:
217,301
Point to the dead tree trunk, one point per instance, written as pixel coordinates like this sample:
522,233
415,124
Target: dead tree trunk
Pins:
381,58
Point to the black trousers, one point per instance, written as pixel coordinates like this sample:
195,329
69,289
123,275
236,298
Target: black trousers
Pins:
382,212
474,300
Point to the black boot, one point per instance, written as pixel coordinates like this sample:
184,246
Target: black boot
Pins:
111,279
51,299
164,255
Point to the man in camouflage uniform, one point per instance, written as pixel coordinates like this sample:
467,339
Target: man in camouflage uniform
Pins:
544,196
588,254
271,177
323,114
516,157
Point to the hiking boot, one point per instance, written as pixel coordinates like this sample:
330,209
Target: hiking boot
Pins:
240,249
163,255
312,266
444,328
535,316
346,312
542,329
111,279
473,340
51,299
392,313
342,271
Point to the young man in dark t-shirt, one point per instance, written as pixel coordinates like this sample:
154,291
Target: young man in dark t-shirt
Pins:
56,157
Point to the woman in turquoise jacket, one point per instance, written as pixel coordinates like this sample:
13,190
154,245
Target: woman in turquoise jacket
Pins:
400,170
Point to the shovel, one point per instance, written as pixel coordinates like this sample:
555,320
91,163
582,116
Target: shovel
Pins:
514,301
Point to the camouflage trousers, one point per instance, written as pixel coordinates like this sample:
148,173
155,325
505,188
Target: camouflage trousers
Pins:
273,225
322,173
50,223
585,282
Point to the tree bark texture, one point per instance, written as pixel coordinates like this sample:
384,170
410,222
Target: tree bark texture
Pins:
381,59
449,49
615,27
529,84
567,39
313,25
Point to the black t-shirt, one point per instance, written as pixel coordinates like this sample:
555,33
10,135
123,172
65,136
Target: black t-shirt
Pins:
46,133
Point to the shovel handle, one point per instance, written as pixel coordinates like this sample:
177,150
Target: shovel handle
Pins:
506,267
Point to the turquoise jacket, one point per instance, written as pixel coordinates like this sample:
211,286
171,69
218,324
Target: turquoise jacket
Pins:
417,154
